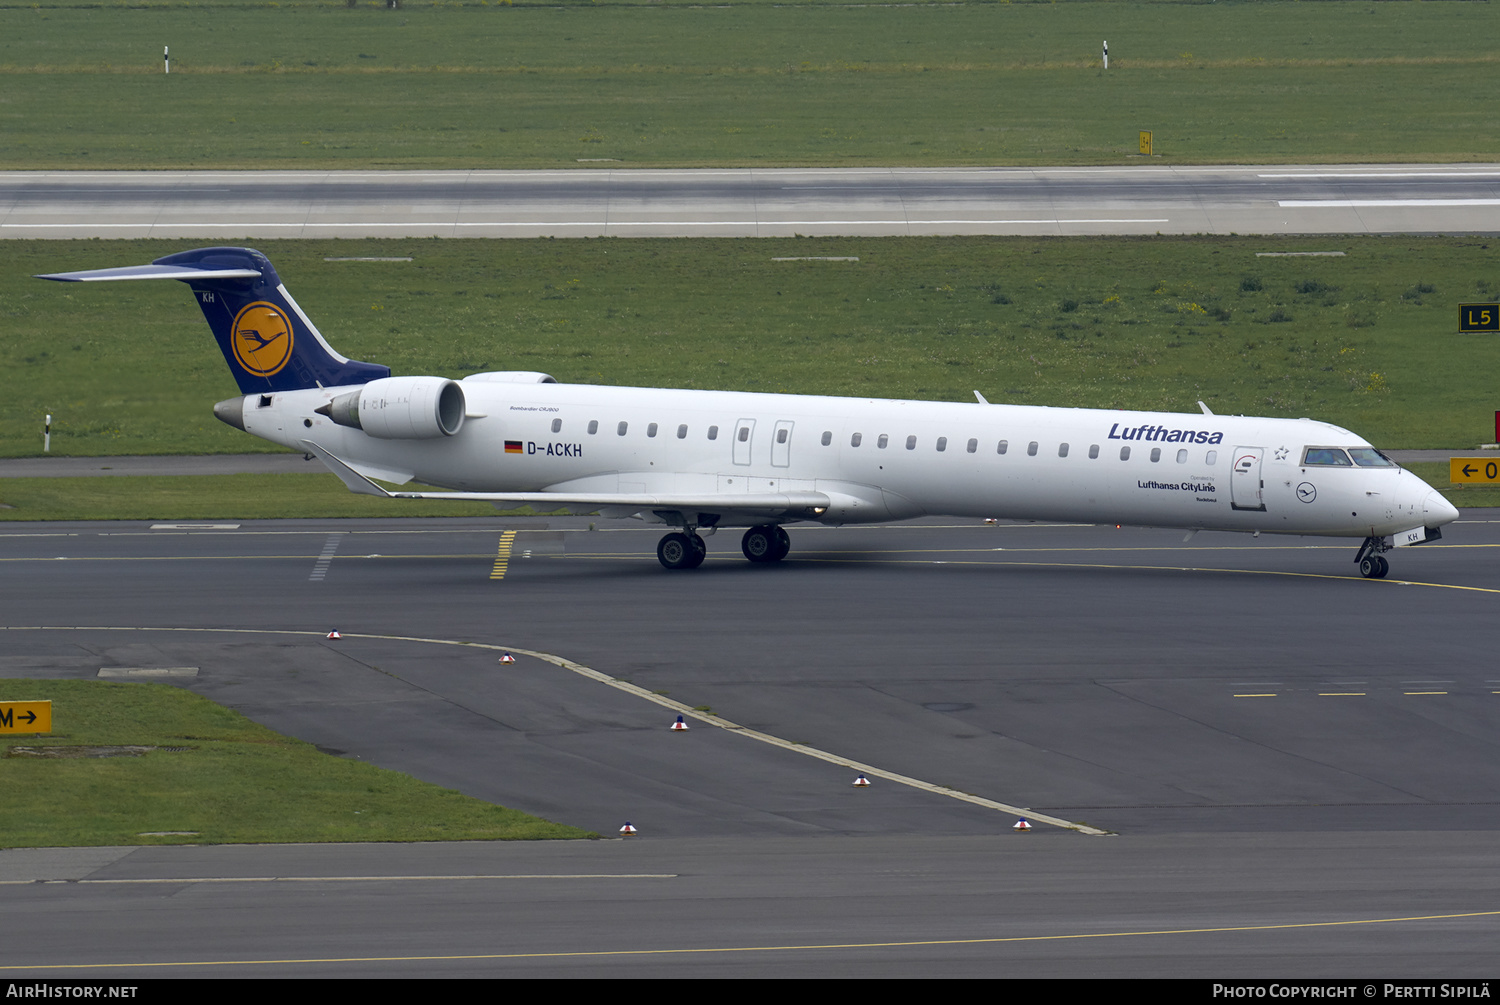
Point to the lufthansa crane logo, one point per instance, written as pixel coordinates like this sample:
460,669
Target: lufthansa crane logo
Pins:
262,338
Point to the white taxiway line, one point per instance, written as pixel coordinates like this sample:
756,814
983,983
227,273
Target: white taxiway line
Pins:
1381,203
626,686
1386,174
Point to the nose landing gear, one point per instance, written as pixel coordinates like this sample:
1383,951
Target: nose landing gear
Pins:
1372,564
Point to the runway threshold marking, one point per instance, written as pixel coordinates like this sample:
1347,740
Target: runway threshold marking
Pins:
639,692
915,943
502,555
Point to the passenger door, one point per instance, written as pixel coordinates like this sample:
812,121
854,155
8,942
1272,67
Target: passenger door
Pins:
1246,488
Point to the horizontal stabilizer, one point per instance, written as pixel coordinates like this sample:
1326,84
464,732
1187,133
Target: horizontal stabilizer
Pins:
150,272
755,502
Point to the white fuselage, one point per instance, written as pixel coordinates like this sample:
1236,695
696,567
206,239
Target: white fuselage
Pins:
886,459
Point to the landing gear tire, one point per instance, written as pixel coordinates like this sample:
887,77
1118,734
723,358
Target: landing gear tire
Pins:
1374,567
681,551
765,544
783,544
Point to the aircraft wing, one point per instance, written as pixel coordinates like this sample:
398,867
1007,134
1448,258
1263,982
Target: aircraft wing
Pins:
800,503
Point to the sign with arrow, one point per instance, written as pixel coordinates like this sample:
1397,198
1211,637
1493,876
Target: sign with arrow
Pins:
25,717
1484,470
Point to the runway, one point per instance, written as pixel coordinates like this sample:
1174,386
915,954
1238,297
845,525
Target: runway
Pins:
606,202
1272,741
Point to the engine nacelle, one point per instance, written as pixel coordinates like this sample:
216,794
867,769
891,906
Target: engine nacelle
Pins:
401,408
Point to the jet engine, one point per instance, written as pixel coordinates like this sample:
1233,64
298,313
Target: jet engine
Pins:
401,408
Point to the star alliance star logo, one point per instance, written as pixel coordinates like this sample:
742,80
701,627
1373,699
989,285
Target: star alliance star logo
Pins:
1281,453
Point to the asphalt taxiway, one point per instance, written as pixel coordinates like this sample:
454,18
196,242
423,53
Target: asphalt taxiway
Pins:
1271,740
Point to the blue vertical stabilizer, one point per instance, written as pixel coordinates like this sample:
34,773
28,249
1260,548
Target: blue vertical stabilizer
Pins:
269,344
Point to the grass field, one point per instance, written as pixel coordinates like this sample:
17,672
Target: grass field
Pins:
1366,340
479,84
225,779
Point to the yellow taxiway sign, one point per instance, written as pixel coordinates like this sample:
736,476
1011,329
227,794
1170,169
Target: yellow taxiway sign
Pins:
25,717
1485,470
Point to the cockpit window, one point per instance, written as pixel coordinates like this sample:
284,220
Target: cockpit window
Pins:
1331,457
1369,457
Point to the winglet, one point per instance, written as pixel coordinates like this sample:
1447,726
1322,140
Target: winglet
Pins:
356,482
1205,408
981,398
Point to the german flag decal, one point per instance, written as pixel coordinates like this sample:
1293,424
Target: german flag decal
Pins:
513,447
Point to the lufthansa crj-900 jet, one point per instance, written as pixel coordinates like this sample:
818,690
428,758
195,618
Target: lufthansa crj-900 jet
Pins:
701,460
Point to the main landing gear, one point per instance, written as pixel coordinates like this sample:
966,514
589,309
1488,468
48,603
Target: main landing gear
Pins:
1372,564
766,543
681,551
763,545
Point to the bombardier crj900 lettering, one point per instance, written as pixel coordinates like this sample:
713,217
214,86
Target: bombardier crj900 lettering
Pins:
701,460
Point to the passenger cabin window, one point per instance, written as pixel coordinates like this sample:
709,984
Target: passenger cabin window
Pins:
1211,458
884,439
651,429
1182,457
593,426
854,440
781,436
744,434
1155,454
1093,451
1124,453
1031,449
827,437
973,445
713,432
1062,450
1369,457
1003,447
1331,457
911,443
623,426
682,431
557,425
942,443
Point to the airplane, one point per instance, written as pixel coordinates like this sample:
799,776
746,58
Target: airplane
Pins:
704,460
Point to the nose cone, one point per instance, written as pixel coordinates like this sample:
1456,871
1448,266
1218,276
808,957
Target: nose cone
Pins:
1437,511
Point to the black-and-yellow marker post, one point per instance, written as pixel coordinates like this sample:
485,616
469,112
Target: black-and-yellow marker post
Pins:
25,717
1145,143
1479,318
1474,470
